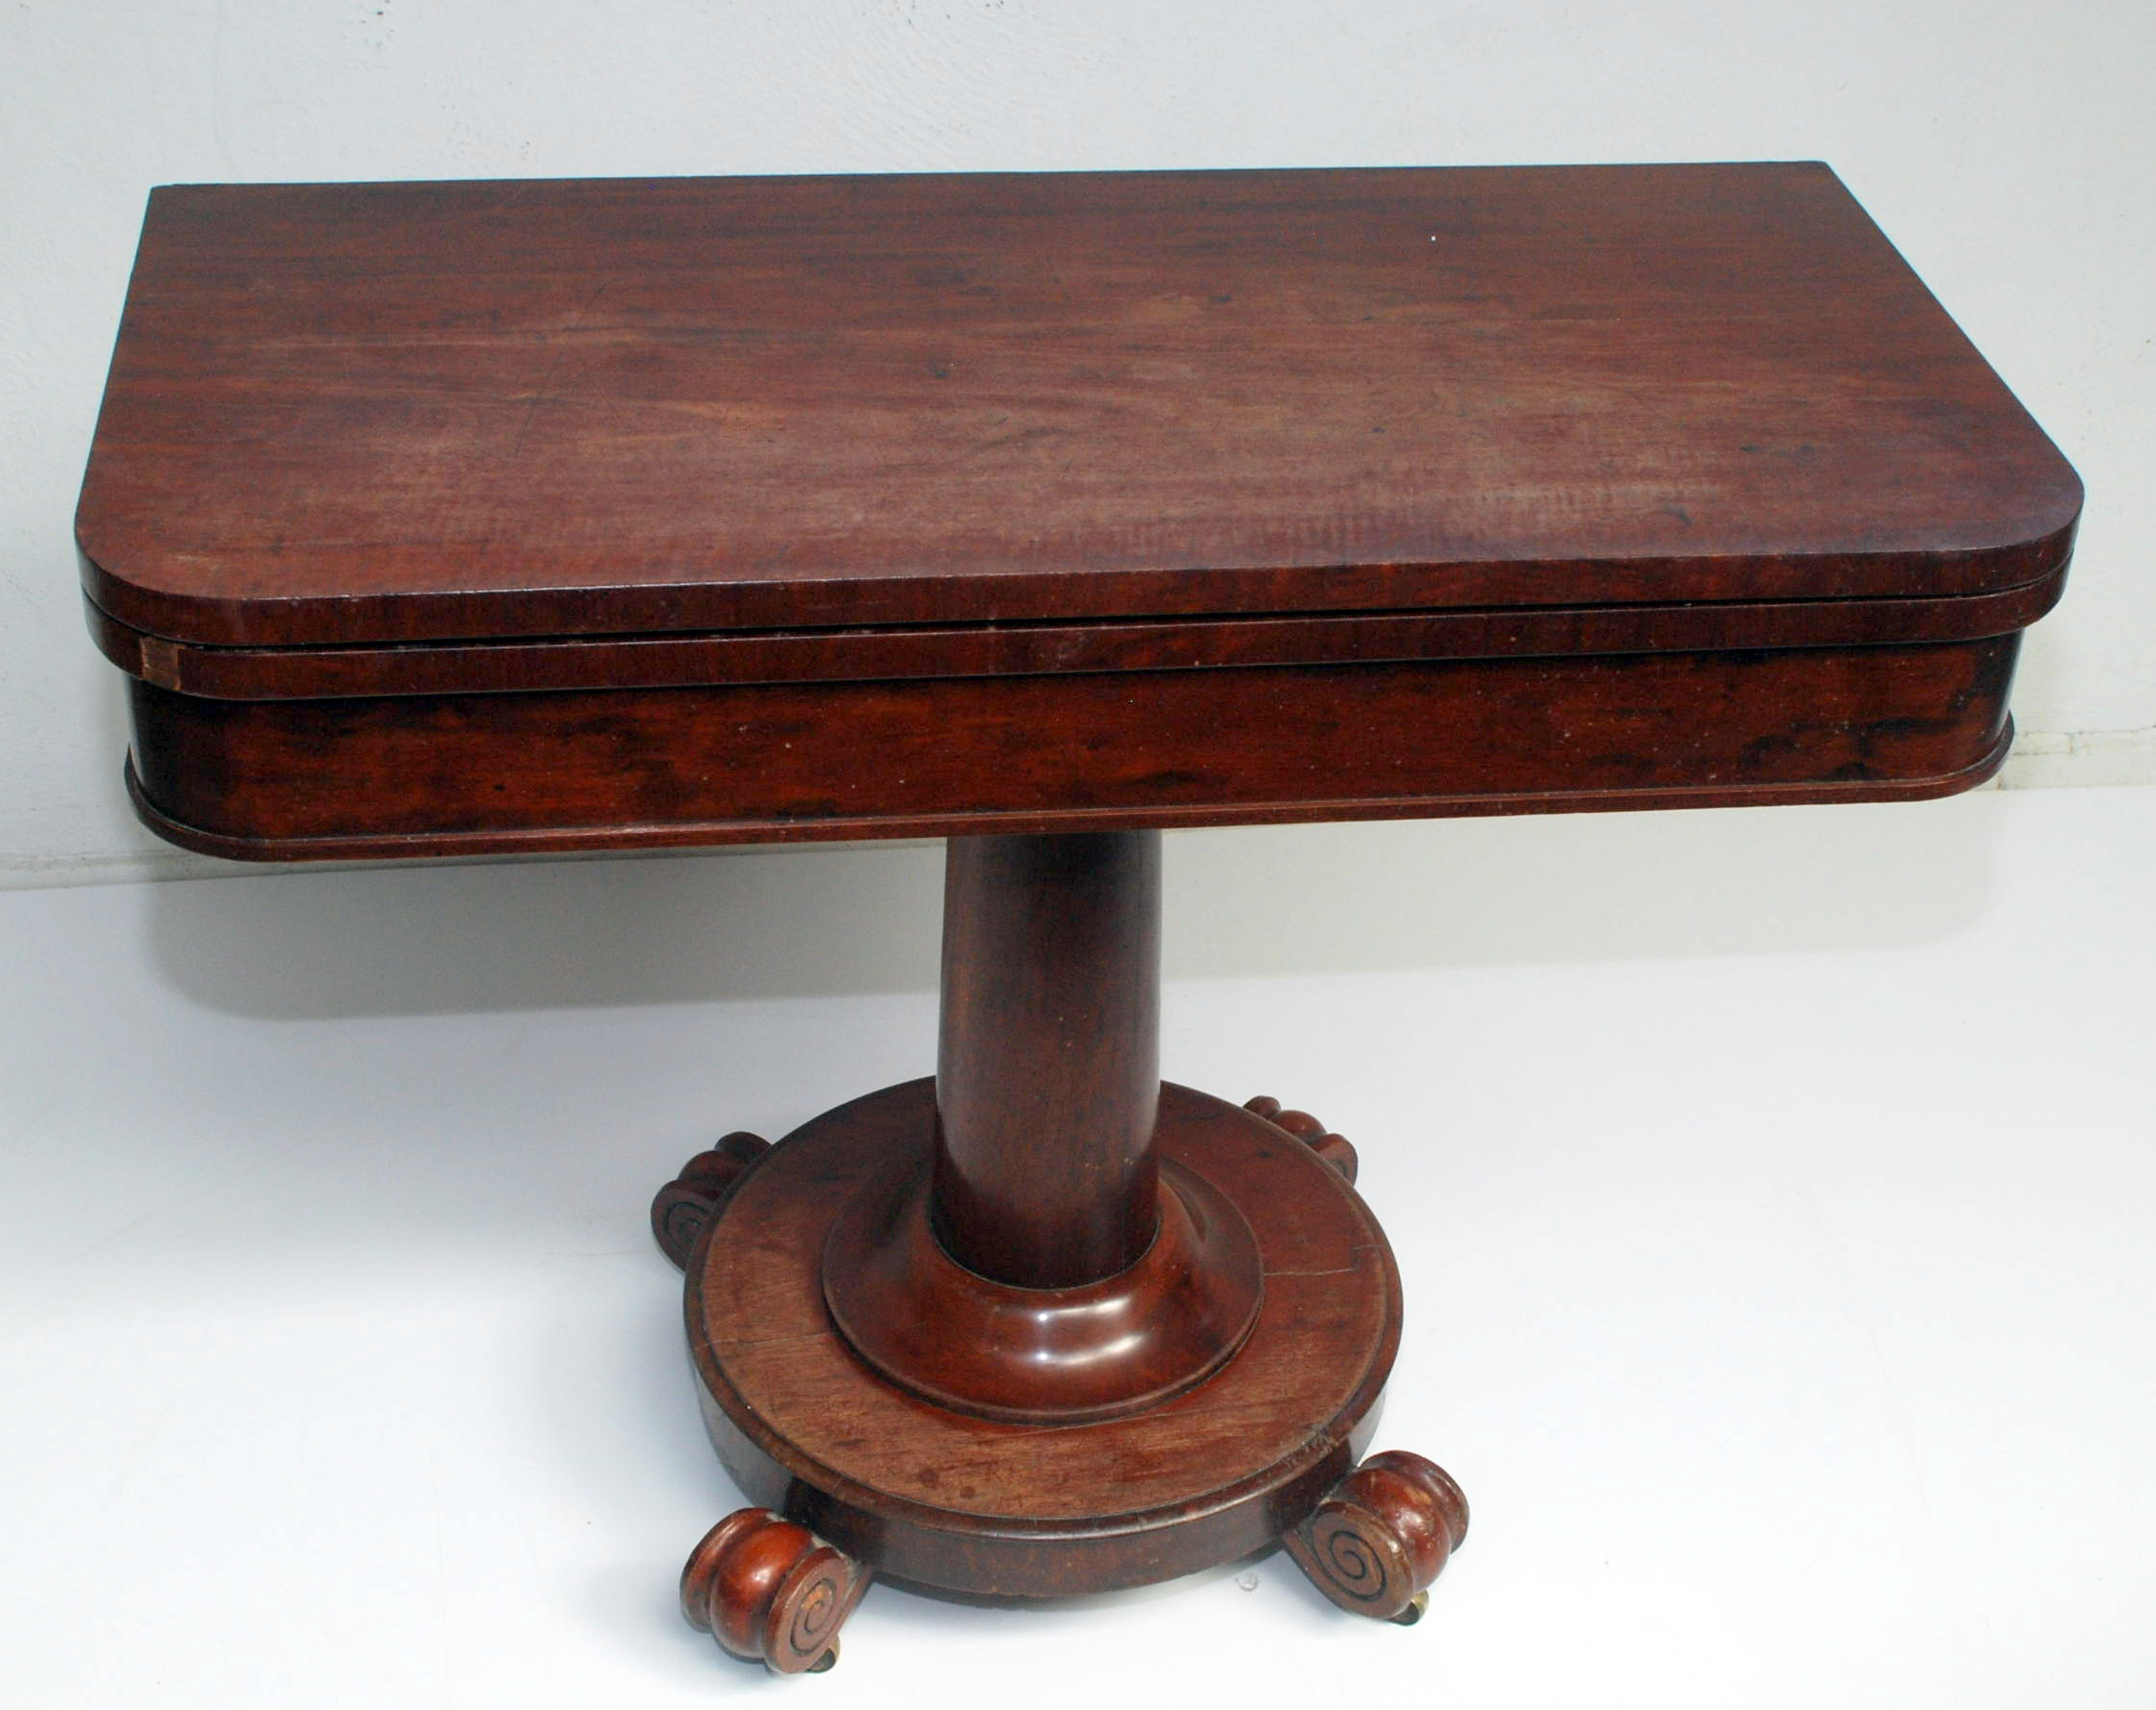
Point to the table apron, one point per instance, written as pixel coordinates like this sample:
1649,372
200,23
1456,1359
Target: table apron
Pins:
466,775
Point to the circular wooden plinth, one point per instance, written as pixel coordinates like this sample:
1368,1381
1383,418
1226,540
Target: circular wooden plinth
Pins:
1027,1510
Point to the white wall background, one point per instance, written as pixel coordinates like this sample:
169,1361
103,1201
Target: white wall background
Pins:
2005,148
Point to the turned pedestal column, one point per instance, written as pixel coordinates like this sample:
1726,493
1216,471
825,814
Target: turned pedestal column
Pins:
1045,1324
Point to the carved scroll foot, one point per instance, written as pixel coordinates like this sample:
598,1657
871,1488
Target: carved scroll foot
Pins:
772,1591
1382,1535
1332,1148
681,1209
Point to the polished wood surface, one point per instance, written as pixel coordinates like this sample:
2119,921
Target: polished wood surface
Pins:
680,1210
1336,1148
772,1591
873,654
456,519
345,413
467,775
946,1499
1155,1411
1103,1349
1382,1535
1041,513
1049,1056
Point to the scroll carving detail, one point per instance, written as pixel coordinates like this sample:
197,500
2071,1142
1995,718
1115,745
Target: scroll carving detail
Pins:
1382,1535
1335,1149
771,1591
680,1210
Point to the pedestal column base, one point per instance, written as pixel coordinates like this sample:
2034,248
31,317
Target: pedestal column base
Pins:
954,1501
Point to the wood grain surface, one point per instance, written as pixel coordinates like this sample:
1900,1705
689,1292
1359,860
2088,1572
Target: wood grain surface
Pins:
1055,648
1046,1266
352,413
1048,1055
1031,1509
468,775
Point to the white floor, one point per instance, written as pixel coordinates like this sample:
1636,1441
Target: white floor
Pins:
1774,1192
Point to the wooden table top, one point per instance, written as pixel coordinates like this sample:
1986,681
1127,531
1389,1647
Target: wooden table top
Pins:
352,413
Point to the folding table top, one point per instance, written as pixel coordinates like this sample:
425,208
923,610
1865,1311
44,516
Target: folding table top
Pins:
350,414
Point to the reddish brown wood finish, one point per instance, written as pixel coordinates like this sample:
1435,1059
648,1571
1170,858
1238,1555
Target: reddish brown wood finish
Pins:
450,519
488,774
1030,649
1382,1535
1189,1358
1029,1510
390,412
1048,1058
754,509
680,1210
771,1591
1067,1354
1336,1148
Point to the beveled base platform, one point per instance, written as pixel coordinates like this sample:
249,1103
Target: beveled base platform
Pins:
1251,1455
978,1505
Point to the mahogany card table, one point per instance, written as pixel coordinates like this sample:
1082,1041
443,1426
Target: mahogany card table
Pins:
1041,513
